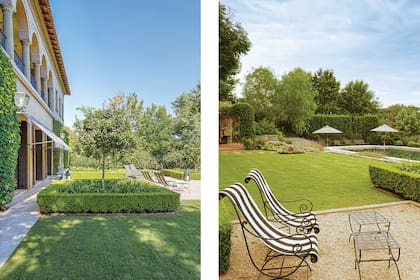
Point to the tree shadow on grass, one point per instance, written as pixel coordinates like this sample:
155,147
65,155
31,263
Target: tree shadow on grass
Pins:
110,247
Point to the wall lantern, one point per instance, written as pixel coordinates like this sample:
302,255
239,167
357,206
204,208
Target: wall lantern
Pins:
21,100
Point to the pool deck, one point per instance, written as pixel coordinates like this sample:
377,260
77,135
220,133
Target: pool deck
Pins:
349,150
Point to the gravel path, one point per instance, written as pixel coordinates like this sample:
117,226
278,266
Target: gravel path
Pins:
336,260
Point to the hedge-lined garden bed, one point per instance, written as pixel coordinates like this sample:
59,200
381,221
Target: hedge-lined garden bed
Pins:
404,183
78,197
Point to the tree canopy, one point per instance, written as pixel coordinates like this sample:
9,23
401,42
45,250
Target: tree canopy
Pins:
186,149
328,92
294,100
259,90
104,132
357,99
233,43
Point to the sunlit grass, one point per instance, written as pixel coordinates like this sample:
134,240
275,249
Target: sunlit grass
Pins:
328,180
110,247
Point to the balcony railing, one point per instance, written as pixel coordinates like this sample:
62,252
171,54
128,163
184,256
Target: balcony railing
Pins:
33,82
19,62
43,95
3,39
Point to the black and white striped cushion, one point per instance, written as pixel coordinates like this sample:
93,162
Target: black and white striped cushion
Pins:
306,219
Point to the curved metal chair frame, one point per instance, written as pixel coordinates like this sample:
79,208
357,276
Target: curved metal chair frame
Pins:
279,243
146,175
304,221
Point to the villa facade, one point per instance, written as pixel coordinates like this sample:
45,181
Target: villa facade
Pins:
29,39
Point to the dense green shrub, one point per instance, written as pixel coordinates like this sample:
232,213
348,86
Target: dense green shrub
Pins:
406,184
265,127
398,143
249,143
50,200
179,174
413,144
9,131
353,127
225,231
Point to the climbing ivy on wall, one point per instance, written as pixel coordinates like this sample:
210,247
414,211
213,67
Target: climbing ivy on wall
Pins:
9,131
58,129
245,113
243,119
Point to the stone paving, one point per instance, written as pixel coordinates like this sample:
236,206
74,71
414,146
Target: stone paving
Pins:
17,220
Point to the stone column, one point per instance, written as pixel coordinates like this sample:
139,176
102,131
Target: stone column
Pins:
37,74
30,151
44,89
26,59
8,28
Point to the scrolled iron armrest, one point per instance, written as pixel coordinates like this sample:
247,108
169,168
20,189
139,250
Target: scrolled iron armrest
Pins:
303,208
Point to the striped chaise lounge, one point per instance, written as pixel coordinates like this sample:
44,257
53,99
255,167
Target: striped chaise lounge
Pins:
172,185
281,245
146,175
304,221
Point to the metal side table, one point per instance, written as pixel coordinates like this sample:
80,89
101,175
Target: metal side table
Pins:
368,218
379,241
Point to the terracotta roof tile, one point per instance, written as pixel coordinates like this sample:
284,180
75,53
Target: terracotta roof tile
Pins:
49,24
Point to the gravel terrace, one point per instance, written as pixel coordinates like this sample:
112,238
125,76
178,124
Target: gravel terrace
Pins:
336,255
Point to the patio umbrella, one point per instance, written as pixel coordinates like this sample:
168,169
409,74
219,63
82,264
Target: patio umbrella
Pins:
384,128
327,130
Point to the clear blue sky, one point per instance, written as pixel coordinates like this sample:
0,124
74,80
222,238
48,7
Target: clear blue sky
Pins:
148,47
375,41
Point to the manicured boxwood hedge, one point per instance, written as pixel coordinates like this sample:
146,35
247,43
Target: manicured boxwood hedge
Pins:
353,127
406,184
179,174
225,231
50,200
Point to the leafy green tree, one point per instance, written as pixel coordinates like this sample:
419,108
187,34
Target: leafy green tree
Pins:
389,114
408,121
104,132
233,43
186,151
294,100
328,89
357,99
259,90
131,106
156,132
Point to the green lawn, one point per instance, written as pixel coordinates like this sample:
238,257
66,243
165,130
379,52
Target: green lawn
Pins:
328,180
97,174
110,247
